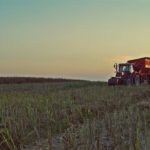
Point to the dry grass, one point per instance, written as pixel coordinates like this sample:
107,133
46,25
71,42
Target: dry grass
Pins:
89,115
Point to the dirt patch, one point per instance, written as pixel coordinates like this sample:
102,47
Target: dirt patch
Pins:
43,144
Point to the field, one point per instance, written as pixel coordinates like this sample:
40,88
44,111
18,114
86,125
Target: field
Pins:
74,115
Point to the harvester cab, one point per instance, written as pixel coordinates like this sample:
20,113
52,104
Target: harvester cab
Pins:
125,68
122,71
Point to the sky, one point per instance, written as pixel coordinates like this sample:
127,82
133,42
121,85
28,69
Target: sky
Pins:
71,38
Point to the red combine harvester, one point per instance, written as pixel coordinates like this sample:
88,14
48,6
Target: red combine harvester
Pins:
134,72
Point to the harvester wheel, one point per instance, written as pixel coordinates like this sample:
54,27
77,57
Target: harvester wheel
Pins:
128,82
148,81
137,80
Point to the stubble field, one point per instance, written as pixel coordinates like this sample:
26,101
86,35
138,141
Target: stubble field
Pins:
74,115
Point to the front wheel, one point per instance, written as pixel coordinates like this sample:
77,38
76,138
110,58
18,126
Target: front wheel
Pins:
137,80
149,80
128,82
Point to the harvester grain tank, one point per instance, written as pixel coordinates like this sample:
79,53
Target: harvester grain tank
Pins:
133,72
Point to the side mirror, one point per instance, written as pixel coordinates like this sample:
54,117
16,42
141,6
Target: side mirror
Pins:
116,66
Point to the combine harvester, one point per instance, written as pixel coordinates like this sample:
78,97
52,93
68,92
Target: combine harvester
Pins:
134,72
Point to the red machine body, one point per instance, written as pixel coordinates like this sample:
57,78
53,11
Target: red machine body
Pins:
135,71
141,65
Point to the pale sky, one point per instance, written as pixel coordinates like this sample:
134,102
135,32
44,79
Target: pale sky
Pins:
71,38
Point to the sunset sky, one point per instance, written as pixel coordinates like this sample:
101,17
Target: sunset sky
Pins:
71,38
